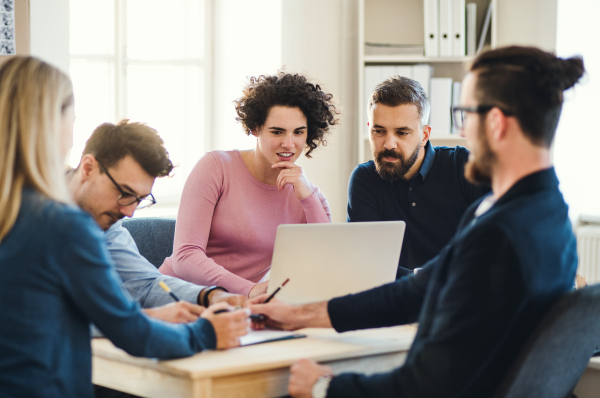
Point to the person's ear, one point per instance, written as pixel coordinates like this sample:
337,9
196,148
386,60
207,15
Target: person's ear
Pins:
497,124
86,166
426,134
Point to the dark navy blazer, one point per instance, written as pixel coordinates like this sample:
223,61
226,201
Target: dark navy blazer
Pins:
476,302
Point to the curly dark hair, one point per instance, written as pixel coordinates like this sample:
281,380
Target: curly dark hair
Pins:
290,90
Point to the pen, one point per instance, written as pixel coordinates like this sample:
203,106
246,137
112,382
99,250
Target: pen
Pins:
276,291
168,290
262,317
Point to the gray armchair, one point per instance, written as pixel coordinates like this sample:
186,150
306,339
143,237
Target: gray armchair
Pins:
559,350
153,237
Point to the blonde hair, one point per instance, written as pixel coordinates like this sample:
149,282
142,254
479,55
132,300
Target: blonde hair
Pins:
33,96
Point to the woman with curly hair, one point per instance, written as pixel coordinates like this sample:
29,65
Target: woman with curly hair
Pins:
233,201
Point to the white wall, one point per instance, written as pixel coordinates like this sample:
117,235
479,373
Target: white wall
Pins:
315,37
50,31
246,42
578,135
527,23
319,39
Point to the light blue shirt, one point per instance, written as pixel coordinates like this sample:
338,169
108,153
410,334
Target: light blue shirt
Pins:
141,278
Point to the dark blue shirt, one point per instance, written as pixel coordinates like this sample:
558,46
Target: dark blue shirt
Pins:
431,203
477,302
55,278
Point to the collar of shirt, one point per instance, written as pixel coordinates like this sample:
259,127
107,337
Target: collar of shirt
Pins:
114,227
485,205
539,180
427,161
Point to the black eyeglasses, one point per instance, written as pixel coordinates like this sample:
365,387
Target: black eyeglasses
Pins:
129,198
459,113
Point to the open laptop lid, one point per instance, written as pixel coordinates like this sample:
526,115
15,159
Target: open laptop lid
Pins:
324,261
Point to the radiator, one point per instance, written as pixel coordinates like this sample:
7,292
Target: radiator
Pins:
588,251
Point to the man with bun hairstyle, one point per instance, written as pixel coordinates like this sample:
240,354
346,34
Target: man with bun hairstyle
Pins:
513,255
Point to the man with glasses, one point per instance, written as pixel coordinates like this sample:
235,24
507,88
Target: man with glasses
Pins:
513,255
409,179
115,178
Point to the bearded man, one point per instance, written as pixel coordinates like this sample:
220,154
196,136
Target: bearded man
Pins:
513,255
409,179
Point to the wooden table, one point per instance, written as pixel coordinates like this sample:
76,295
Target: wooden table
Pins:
255,371
589,384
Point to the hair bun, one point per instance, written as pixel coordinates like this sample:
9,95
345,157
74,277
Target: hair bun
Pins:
555,75
569,71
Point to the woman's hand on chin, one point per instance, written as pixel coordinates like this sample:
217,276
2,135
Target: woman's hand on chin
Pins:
295,176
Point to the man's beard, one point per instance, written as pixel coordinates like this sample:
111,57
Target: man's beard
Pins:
84,203
478,170
396,170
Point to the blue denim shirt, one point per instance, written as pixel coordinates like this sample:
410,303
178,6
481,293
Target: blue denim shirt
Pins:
140,278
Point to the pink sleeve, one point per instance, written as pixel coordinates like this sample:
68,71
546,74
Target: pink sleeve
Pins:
200,195
316,207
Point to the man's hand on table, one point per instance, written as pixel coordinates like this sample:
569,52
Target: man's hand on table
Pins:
179,312
288,316
304,374
229,326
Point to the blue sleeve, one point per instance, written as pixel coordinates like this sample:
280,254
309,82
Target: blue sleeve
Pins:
362,200
396,303
140,278
479,299
93,285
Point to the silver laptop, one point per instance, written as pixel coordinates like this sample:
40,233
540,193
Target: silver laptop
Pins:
324,261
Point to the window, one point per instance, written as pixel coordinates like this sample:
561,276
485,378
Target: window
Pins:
144,60
577,137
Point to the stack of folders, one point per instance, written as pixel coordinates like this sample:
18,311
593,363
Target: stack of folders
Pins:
450,28
375,74
444,95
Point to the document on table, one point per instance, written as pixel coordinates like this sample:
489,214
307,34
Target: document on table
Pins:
265,336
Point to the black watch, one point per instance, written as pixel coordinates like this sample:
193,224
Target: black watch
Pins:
209,290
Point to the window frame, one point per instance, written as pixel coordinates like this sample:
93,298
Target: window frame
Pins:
120,62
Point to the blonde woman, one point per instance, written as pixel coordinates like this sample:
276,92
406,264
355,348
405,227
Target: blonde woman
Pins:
56,276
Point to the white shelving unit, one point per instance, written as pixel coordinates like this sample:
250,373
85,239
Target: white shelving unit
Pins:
411,59
401,22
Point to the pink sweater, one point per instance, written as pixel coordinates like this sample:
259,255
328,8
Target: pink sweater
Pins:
225,231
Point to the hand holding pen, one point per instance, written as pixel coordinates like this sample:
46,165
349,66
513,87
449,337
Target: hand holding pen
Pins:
228,327
259,318
178,312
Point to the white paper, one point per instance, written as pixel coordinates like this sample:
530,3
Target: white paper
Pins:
7,27
263,336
